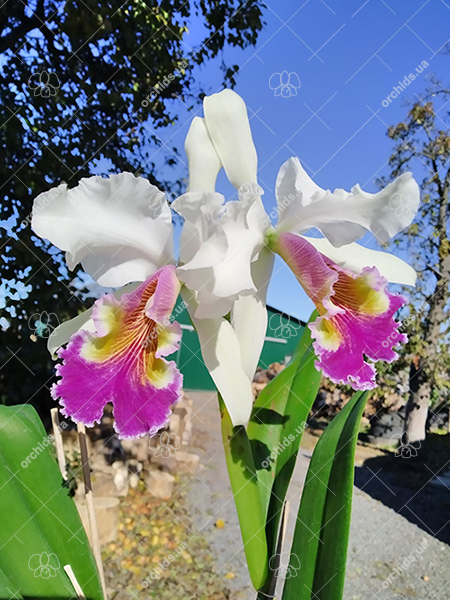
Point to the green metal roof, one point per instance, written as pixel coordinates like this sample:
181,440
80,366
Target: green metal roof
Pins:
282,335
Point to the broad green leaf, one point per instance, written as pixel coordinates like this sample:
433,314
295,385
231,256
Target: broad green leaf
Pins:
276,428
41,530
245,486
270,420
8,589
303,393
323,522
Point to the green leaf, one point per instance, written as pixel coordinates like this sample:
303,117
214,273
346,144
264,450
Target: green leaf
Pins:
7,588
319,549
245,486
276,428
43,531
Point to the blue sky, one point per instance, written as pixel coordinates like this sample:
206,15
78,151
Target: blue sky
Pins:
348,56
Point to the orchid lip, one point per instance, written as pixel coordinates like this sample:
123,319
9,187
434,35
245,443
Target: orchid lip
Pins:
123,360
356,313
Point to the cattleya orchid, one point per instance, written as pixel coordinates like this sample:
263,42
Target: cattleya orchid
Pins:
120,230
228,250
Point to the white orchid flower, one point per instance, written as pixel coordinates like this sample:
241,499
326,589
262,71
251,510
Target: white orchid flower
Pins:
228,260
120,230
230,348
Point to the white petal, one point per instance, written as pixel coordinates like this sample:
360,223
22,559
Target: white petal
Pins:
222,356
343,217
220,271
204,163
212,307
62,334
119,228
249,314
355,257
294,189
228,125
200,211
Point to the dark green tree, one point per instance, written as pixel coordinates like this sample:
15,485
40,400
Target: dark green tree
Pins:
83,81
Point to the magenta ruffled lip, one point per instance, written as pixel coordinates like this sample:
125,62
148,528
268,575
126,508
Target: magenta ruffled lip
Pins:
361,335
120,369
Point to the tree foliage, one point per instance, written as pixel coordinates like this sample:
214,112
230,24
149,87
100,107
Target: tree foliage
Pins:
422,144
83,82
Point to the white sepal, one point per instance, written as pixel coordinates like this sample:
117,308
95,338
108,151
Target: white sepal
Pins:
119,228
222,356
228,125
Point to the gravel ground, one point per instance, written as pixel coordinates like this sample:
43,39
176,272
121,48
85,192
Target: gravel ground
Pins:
400,519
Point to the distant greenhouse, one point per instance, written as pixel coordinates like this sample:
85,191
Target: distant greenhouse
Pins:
282,336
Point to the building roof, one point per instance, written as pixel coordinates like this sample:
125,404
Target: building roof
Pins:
286,315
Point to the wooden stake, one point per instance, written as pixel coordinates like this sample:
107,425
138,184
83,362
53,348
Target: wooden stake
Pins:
268,592
287,506
71,575
95,542
59,443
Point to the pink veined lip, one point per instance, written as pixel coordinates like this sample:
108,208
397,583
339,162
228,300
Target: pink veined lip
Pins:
356,313
123,361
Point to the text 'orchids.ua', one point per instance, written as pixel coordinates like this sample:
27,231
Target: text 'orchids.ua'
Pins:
120,229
